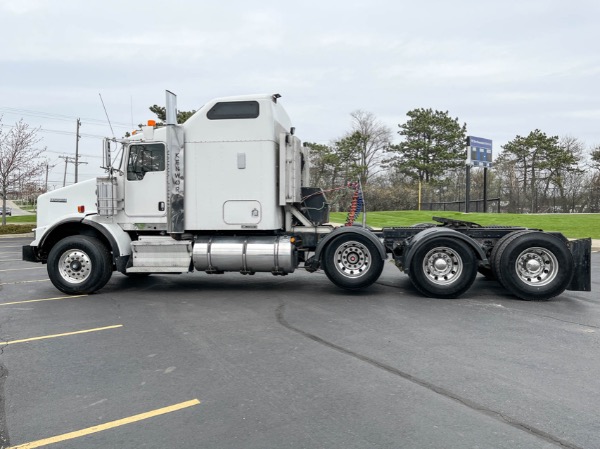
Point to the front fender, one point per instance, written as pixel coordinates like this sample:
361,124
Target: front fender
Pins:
118,240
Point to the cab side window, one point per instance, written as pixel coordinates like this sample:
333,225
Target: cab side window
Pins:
143,159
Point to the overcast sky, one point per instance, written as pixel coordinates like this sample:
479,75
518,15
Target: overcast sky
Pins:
503,67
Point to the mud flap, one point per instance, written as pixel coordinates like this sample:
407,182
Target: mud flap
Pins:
582,255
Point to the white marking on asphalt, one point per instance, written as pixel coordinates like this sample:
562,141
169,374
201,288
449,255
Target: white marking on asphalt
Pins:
20,269
24,282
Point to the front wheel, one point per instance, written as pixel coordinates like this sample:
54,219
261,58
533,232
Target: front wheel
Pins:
352,261
443,268
79,264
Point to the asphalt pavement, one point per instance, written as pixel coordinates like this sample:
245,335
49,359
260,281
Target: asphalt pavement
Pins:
232,361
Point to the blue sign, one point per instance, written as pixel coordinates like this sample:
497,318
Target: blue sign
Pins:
480,151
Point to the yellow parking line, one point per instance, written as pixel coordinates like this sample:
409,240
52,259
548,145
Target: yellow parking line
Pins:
19,269
106,426
60,335
24,282
39,300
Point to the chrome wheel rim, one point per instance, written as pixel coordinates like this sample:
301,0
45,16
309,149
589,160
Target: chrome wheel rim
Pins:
442,266
536,266
352,259
75,266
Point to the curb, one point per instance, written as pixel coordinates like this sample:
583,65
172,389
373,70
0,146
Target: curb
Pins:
15,236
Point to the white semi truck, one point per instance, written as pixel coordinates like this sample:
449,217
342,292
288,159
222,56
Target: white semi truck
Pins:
229,190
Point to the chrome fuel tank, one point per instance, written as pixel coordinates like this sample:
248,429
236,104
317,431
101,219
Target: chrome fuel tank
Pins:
274,254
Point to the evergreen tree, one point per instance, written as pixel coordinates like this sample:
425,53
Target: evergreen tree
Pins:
433,144
538,160
161,113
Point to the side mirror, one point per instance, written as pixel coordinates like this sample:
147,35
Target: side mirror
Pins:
106,156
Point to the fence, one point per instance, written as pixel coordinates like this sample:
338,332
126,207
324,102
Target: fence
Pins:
459,206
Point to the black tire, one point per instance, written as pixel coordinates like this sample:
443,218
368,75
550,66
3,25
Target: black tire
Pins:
501,244
533,265
352,261
79,264
443,267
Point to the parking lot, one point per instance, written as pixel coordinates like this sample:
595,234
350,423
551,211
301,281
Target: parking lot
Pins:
232,361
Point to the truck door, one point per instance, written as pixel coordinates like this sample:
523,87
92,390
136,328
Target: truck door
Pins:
146,184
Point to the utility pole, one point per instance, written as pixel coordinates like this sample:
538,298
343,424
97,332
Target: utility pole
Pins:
66,158
77,137
73,161
47,169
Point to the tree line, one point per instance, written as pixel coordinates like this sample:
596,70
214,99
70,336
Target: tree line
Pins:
536,173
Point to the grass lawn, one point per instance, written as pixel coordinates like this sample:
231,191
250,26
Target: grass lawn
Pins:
21,219
21,224
571,225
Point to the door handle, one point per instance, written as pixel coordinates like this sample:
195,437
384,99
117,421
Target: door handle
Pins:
161,206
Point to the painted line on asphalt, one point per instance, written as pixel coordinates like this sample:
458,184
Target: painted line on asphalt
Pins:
10,252
19,269
11,260
11,246
24,282
66,334
107,426
40,300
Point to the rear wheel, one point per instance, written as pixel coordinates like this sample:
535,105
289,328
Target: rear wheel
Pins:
533,265
79,264
500,244
443,268
352,261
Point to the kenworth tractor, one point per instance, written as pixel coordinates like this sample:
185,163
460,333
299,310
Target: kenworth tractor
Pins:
229,190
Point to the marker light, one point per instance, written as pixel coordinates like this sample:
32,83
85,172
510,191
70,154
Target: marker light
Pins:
81,209
151,122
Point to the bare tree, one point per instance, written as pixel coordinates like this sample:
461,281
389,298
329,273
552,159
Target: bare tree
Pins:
566,174
595,157
366,144
18,158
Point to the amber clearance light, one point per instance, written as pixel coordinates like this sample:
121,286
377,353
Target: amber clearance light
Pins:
81,209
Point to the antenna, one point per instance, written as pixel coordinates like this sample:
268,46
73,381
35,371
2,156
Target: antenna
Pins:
109,124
